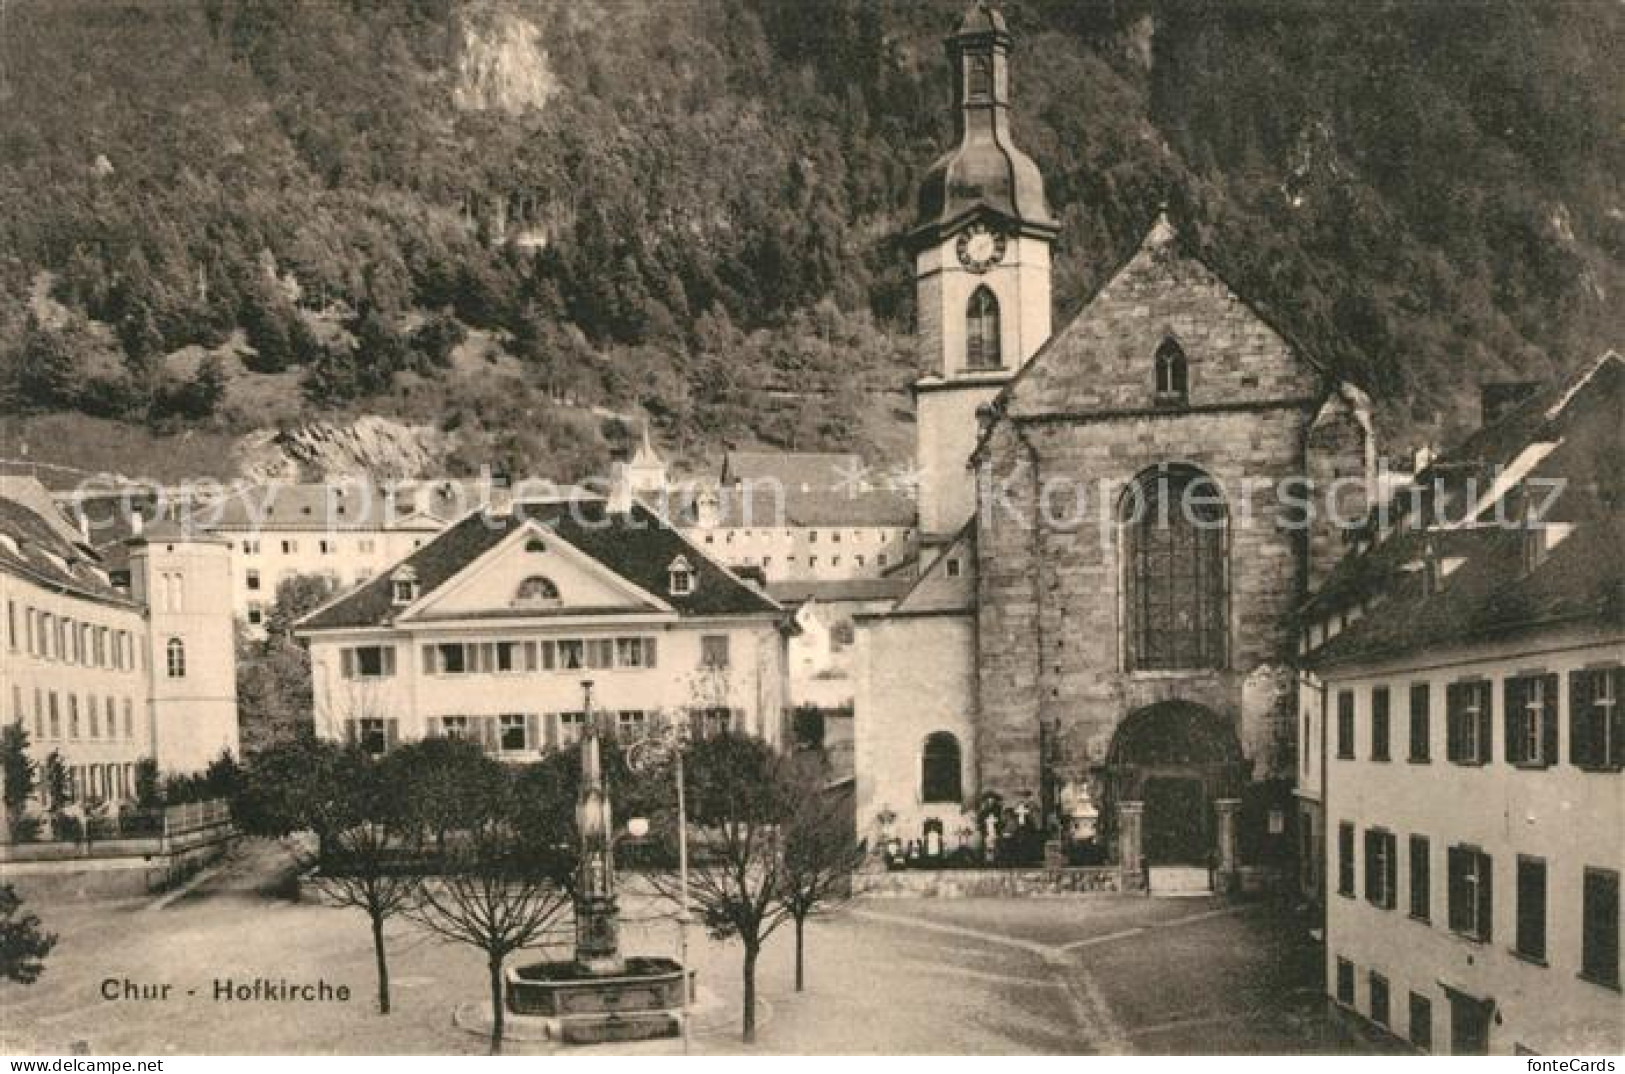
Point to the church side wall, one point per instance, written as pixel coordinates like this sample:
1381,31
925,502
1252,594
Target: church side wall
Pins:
916,676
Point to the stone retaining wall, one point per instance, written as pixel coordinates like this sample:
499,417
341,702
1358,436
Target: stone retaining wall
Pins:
993,883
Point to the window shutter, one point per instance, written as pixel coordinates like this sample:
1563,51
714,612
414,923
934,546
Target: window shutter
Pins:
347,663
1486,724
1581,741
488,733
428,660
1370,859
432,727
1616,722
533,739
1486,897
352,732
650,646
1391,890
1454,704
392,734
389,660
1458,888
1514,697
550,728
1548,726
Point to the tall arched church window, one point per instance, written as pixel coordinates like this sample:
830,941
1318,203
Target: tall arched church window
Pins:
1172,382
982,331
940,769
1175,581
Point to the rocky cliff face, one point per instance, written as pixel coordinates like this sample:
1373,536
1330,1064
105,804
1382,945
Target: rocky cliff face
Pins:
500,64
371,446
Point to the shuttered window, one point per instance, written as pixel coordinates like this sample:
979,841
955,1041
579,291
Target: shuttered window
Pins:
1468,712
1421,878
1472,897
1381,868
1345,859
1421,723
1530,720
1596,725
1380,729
1599,912
1531,939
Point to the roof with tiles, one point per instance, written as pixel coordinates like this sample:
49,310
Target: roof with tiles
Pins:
1458,568
635,545
36,550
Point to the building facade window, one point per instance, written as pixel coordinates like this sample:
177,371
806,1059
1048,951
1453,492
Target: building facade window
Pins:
1468,712
1531,936
680,577
1175,527
1377,986
375,735
1345,982
1421,1022
1596,726
982,333
1531,720
1421,878
1345,724
537,591
1381,868
512,729
367,662
1172,373
1599,927
714,651
1345,859
1472,896
175,658
1421,729
1379,723
940,769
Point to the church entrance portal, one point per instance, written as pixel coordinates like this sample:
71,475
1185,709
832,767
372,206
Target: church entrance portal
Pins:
1175,773
1177,828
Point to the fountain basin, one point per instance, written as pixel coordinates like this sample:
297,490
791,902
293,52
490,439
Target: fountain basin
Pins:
643,1002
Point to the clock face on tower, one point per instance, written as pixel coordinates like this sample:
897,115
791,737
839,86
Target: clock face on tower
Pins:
980,247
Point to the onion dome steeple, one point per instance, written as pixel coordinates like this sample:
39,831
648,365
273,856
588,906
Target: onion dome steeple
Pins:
984,172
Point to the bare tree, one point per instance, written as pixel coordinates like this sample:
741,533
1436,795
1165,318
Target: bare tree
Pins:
367,853
735,874
501,884
820,851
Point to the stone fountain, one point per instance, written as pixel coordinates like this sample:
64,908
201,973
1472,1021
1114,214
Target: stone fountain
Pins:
601,994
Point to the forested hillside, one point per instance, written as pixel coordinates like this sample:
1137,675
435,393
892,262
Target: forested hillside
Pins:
487,214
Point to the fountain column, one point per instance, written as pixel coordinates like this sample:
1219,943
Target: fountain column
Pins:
598,948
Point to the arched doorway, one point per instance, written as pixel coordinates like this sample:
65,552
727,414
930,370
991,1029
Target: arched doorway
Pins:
1177,767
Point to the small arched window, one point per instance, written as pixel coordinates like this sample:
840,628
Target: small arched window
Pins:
1175,539
175,658
537,591
940,769
982,331
1172,381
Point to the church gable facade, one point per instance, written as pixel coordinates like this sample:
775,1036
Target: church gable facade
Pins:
1135,533
1138,566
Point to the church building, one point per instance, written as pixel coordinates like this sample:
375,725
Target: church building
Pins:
1101,633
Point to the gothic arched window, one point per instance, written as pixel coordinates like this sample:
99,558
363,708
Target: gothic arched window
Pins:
1174,576
940,769
1171,373
537,591
982,331
175,657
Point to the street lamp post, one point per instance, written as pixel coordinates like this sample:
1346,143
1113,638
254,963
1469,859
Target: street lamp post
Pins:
647,751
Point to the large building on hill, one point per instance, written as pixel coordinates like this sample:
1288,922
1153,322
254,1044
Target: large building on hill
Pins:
491,630
1103,632
792,517
105,677
1462,703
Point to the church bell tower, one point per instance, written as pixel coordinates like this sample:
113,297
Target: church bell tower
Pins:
981,241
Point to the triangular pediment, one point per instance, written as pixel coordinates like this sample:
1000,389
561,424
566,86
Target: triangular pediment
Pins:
534,572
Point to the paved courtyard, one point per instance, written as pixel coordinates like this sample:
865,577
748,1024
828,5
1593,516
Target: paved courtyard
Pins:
895,975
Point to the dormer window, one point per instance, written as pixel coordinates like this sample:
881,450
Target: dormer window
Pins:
680,577
1171,374
536,591
403,587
